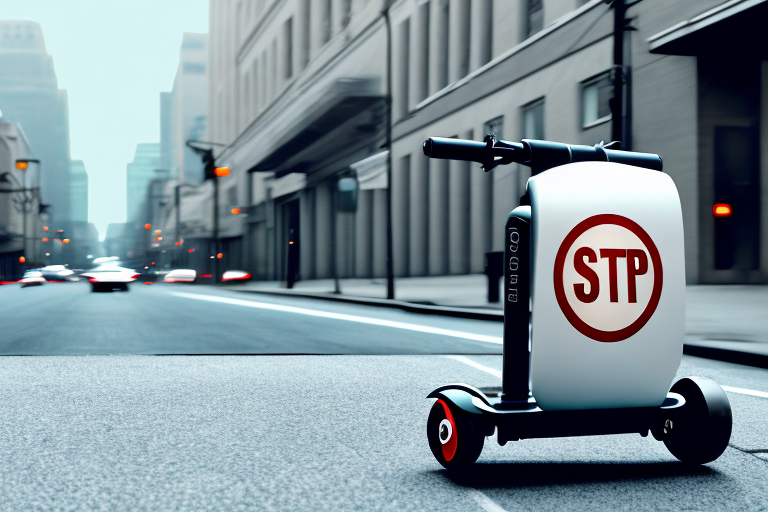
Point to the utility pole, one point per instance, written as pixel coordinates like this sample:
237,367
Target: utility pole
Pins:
388,143
216,275
617,105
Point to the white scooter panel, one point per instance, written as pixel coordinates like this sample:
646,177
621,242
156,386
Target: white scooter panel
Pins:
608,286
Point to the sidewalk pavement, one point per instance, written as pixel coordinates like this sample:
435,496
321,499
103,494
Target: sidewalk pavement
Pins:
725,322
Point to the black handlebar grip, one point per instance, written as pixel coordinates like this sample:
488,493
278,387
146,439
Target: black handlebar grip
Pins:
456,149
646,160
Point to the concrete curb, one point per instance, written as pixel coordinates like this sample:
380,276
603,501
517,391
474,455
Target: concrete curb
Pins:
727,355
425,309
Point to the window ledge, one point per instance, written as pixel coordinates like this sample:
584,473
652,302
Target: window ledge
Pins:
597,123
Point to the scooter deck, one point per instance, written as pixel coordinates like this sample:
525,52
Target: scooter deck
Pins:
516,421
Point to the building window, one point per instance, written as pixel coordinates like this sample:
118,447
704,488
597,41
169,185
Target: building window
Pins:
403,64
495,127
288,48
193,68
534,20
305,34
327,20
533,120
595,100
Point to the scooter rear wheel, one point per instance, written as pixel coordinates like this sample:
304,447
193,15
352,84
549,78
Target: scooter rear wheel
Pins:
452,439
699,431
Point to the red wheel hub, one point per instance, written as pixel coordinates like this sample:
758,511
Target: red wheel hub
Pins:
447,434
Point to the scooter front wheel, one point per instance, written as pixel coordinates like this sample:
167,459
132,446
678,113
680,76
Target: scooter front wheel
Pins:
453,441
699,431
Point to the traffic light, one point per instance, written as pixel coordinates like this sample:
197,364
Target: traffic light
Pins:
208,162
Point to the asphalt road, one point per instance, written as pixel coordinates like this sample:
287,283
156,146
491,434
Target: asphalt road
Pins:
303,432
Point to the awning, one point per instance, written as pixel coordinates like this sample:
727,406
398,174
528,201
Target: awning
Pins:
348,113
372,171
735,27
287,184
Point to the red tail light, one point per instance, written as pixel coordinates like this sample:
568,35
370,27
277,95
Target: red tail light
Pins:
93,280
134,276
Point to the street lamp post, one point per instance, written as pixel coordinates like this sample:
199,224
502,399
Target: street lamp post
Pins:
212,173
28,196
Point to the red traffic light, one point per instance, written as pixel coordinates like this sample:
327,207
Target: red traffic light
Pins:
221,172
65,241
220,255
235,211
721,210
45,239
45,228
147,226
22,259
190,250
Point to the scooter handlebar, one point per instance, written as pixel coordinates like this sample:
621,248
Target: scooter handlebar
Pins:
540,155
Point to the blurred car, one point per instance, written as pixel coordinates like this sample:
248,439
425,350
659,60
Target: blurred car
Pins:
180,276
110,277
58,274
235,275
32,278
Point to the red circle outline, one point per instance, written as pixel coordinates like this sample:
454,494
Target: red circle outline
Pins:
658,278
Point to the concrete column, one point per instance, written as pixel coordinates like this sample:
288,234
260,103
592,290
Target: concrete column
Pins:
459,25
379,233
438,217
419,215
400,213
322,249
345,257
481,33
458,217
438,45
364,235
419,75
402,38
505,199
482,225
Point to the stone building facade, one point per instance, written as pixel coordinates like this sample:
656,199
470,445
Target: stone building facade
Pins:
298,96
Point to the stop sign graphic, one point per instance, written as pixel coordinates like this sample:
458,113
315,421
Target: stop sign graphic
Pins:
608,277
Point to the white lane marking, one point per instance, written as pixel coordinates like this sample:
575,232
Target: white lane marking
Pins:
485,502
340,316
742,391
473,364
497,373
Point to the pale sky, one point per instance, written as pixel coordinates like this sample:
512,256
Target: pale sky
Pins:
113,57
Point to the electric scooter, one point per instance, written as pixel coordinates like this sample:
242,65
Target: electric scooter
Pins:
594,260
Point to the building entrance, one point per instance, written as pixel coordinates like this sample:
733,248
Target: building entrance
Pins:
737,184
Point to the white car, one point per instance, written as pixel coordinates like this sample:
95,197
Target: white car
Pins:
58,274
110,277
235,275
180,276
32,278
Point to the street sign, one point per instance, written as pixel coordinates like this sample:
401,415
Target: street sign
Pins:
608,277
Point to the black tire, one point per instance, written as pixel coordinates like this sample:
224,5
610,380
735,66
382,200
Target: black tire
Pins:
446,420
699,431
124,287
95,288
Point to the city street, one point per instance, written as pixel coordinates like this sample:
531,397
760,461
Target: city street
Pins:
316,405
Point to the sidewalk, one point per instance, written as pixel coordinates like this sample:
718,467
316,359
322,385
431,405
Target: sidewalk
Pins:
726,322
